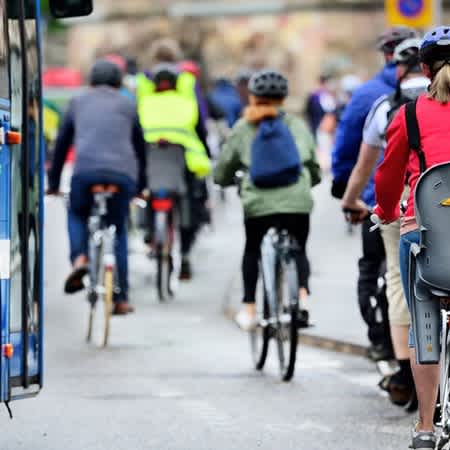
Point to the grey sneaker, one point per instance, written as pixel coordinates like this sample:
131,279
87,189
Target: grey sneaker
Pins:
423,439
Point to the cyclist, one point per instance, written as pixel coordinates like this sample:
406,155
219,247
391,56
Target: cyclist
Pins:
169,112
289,206
400,164
241,81
411,83
104,127
371,300
320,102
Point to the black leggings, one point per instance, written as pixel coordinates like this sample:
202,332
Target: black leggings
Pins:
255,229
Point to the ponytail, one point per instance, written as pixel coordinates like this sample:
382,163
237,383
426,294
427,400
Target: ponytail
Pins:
440,85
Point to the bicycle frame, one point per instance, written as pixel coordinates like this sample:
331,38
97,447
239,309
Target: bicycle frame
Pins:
101,246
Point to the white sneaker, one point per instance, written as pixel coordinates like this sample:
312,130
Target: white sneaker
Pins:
245,321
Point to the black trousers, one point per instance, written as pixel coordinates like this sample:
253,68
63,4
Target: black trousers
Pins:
372,298
255,229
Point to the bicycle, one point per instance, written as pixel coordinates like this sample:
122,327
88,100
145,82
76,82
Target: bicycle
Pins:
278,305
429,283
102,266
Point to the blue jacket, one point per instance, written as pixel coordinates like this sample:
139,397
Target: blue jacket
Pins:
350,129
225,96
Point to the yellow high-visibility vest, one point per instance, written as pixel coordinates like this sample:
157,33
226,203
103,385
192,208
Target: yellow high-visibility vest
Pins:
173,116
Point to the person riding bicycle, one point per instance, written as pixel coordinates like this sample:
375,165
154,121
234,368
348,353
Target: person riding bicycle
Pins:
104,127
169,113
402,164
411,83
372,301
288,205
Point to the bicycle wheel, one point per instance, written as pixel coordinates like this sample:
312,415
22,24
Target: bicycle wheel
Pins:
95,252
286,318
444,380
164,261
259,338
164,274
101,310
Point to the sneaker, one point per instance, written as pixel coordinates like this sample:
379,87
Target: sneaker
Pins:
303,319
423,439
400,391
186,270
245,321
378,352
122,309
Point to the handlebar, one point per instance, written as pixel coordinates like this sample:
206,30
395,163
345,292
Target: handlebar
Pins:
376,221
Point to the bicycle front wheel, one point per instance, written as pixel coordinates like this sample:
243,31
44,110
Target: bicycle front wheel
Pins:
287,318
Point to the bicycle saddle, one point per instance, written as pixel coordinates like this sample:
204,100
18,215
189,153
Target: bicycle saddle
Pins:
105,189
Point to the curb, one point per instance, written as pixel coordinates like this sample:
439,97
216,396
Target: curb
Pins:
313,340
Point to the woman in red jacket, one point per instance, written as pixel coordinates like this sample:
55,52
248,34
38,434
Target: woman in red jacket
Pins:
433,115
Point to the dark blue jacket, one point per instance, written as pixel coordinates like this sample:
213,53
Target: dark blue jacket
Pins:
350,128
225,96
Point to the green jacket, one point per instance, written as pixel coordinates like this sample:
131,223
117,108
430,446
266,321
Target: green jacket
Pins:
236,155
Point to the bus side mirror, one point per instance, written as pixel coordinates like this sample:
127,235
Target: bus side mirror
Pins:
70,8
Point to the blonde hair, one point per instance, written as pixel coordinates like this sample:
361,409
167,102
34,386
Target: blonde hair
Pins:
440,86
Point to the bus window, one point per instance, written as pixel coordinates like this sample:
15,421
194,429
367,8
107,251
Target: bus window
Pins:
34,174
16,175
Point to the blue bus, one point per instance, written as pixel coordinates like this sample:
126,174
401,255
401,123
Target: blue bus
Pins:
21,193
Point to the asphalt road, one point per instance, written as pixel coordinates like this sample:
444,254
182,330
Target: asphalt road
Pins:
178,376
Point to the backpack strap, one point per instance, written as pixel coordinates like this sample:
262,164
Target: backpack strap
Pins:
412,126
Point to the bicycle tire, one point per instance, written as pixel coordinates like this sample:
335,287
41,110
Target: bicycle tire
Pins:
259,338
108,282
94,273
444,382
287,318
92,299
164,273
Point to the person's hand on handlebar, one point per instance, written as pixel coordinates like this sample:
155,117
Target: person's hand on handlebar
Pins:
355,212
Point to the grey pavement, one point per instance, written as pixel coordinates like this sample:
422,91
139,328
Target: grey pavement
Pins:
178,376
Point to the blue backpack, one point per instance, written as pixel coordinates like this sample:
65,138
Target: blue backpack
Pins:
275,160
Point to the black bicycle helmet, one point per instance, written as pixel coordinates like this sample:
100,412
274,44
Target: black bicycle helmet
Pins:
106,73
268,83
165,76
390,38
436,46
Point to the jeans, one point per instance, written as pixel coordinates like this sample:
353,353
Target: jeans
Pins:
255,229
81,202
413,237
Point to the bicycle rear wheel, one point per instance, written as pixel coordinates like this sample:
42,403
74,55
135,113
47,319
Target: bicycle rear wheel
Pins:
164,274
444,380
259,338
287,318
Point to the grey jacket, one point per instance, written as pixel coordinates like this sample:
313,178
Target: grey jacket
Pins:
103,125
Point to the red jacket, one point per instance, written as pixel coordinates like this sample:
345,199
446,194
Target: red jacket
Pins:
434,125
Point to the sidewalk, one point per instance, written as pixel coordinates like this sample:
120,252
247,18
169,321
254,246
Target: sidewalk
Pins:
333,254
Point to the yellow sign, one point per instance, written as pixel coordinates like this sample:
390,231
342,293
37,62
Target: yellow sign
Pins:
412,13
